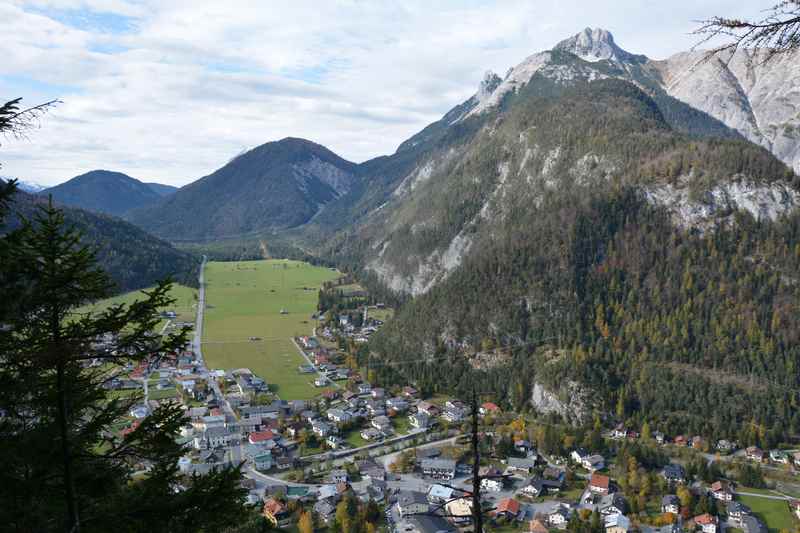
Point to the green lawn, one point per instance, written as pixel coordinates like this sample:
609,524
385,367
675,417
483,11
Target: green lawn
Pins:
243,300
155,394
774,513
354,439
401,424
381,314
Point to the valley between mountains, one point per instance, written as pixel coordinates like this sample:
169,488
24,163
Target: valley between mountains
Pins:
594,235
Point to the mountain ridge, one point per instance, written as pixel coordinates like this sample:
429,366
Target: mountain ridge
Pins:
104,191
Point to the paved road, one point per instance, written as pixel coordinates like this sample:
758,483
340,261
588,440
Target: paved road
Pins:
759,495
201,306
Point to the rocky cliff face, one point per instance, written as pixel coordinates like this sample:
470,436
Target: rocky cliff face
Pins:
758,98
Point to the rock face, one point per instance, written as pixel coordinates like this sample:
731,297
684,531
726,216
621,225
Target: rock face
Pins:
596,44
573,407
758,98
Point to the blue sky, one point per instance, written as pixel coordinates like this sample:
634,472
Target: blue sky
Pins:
170,90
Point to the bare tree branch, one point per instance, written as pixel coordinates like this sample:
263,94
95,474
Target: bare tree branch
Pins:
778,32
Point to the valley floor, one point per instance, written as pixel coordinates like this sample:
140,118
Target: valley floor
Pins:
253,309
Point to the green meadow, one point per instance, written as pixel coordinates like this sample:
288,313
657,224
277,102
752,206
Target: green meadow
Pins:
184,306
253,309
774,513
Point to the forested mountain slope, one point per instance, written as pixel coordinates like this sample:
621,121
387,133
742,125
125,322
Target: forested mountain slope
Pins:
133,258
602,260
103,191
275,186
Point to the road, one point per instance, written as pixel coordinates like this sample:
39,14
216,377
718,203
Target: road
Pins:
198,325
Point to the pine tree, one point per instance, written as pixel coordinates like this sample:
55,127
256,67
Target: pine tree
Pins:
68,467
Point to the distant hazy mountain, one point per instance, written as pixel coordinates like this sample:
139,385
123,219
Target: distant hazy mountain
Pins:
105,191
160,188
132,257
277,185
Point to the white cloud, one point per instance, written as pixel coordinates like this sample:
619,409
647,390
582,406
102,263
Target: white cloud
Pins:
185,85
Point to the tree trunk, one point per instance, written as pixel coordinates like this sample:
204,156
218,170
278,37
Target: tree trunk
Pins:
73,523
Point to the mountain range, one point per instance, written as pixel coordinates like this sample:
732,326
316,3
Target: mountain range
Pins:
595,232
108,192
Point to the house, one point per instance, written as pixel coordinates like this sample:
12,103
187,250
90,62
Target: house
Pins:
439,468
721,491
617,523
593,462
724,446
325,509
398,405
284,463
321,428
488,408
619,432
707,523
439,493
522,446
611,504
409,392
263,461
321,381
382,423
674,473
659,437
737,512
754,453
419,420
459,511
796,457
535,487
338,476
375,407
578,455
364,388
680,440
599,484
428,408
523,465
275,512
779,456
339,416
558,517
427,524
492,485
508,508
334,442
670,504
371,434
260,437
453,415
412,502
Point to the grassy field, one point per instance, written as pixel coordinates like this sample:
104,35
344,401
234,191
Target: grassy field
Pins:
244,300
774,513
184,306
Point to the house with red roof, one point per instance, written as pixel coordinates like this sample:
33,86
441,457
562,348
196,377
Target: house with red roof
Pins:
707,523
599,484
489,408
509,508
259,437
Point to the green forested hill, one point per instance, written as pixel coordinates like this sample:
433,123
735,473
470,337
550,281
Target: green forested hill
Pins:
104,191
132,257
578,278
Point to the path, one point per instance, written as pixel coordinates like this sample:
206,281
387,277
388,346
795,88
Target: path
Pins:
759,495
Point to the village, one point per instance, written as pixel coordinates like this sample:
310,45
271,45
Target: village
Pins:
408,460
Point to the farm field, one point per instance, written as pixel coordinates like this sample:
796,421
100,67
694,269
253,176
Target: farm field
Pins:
774,513
243,324
184,306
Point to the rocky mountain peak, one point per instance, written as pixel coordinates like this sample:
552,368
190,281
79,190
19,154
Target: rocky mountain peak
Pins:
594,44
488,84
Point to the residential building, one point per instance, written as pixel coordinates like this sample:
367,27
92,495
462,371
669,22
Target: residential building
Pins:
412,502
617,523
707,523
439,468
674,473
558,517
593,462
382,423
263,461
321,428
754,453
275,512
737,512
459,511
339,416
339,476
722,491
439,493
522,465
428,408
419,420
670,504
612,504
488,408
599,484
334,442
508,508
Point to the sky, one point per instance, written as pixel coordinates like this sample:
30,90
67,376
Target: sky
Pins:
168,91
